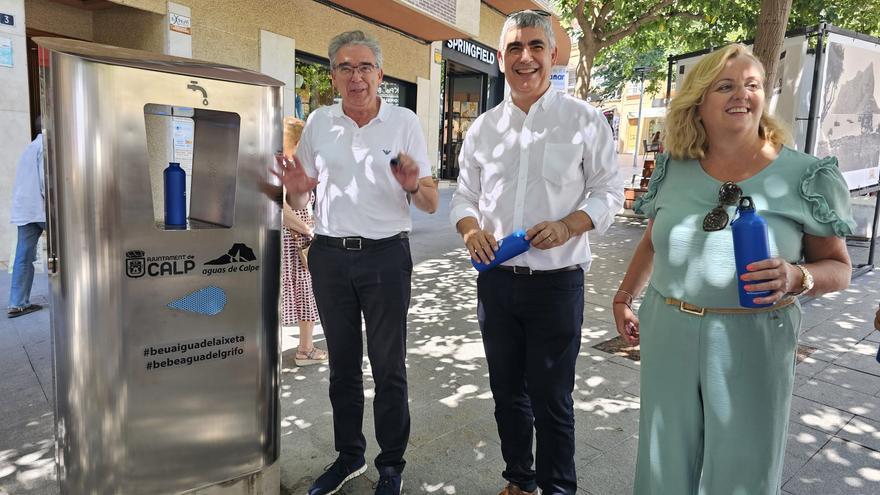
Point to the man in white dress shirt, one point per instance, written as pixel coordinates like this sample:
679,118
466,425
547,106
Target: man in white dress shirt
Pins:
360,258
544,162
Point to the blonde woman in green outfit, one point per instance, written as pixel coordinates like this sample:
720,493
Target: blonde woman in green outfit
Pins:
716,378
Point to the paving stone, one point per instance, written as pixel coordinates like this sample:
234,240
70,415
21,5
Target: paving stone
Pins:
597,312
629,363
606,378
840,468
835,335
850,379
862,431
605,422
827,355
612,472
818,416
807,369
810,366
452,409
27,462
595,331
841,398
803,442
859,361
443,460
434,420
866,348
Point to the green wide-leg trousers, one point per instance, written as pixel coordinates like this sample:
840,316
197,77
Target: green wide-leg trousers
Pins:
715,397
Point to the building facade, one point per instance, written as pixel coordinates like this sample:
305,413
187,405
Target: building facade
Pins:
285,39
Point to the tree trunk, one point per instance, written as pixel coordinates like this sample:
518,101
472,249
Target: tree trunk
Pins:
588,52
768,40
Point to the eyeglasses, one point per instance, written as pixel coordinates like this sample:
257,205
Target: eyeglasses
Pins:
728,195
347,70
540,12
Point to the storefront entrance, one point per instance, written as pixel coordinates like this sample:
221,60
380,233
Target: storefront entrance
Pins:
463,103
472,84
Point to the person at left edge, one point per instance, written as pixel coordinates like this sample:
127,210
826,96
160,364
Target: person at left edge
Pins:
360,257
545,162
29,215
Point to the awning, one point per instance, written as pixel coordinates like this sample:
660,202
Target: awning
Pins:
404,18
648,113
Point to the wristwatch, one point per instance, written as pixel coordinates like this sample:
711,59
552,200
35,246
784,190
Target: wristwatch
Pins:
807,282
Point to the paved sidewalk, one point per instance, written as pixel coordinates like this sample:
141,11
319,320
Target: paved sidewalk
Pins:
834,439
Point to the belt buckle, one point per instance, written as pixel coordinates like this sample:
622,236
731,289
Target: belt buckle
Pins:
684,309
354,247
522,270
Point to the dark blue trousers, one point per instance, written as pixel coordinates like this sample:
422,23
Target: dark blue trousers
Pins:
531,326
374,281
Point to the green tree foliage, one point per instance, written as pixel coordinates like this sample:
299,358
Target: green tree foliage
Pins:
861,16
618,35
317,85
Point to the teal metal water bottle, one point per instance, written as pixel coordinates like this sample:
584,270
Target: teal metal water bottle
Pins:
175,196
750,244
513,245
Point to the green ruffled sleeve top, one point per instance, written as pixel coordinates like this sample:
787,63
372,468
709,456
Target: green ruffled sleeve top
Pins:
796,194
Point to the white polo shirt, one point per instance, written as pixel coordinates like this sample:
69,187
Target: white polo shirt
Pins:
357,194
518,169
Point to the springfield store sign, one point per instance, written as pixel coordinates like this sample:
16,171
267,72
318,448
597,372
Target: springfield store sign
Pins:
472,50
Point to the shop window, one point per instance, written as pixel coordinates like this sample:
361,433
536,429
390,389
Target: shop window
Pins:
317,91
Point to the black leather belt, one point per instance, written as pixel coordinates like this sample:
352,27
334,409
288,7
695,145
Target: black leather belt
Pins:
355,243
524,270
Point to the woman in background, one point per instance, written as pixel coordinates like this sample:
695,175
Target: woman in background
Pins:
297,300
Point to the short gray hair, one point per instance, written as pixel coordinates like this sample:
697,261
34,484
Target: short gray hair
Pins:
525,19
354,38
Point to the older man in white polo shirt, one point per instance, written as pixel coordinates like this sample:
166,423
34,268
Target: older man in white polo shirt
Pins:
368,159
545,162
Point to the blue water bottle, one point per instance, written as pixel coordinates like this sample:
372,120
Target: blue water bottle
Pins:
175,196
513,245
750,244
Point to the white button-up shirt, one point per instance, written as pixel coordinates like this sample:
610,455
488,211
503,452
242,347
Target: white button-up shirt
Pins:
517,170
29,188
357,194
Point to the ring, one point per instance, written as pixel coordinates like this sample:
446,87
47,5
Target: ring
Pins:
550,238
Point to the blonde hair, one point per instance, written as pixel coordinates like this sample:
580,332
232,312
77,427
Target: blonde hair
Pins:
293,128
685,135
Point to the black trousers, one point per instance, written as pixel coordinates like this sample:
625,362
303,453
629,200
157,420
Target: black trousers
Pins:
531,326
374,281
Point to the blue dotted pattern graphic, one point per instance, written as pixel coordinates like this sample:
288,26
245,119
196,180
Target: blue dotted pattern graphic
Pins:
208,301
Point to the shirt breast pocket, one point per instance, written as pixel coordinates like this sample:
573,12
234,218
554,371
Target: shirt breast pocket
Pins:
562,163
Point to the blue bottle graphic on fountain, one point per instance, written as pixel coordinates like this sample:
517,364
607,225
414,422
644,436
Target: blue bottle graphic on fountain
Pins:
750,244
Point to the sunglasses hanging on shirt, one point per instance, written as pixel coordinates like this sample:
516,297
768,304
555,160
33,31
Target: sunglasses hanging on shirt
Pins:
728,195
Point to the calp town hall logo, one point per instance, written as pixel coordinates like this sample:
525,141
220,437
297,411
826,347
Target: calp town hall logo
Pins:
137,264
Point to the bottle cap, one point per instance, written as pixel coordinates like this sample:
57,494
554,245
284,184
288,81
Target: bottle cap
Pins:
745,204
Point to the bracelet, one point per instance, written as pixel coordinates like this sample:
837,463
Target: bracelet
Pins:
628,305
418,186
631,297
